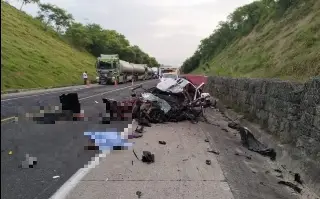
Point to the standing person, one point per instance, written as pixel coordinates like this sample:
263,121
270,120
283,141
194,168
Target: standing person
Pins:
85,77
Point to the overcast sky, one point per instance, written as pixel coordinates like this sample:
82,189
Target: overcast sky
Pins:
169,30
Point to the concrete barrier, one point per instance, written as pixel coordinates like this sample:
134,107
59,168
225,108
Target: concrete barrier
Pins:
289,111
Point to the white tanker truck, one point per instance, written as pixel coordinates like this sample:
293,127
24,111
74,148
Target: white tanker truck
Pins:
110,68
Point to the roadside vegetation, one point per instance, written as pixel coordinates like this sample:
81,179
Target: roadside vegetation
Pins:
53,50
267,38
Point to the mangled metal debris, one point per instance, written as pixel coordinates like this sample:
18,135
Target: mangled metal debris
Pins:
171,101
162,142
291,185
251,143
147,157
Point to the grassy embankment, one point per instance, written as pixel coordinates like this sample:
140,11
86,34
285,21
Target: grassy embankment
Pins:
287,49
34,58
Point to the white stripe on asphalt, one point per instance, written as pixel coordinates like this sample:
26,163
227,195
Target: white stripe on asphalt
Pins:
119,89
40,94
70,184
26,96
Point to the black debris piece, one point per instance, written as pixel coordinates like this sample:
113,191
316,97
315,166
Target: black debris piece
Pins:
278,170
206,140
297,178
118,148
91,148
147,157
208,162
139,130
291,185
139,194
213,151
251,143
135,154
162,142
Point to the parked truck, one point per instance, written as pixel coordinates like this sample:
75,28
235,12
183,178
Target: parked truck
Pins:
149,74
139,72
155,71
110,69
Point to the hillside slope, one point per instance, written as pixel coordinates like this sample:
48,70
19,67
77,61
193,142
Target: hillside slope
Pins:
32,57
286,49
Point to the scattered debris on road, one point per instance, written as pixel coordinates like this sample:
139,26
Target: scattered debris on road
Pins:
135,155
29,162
251,143
291,185
54,177
208,162
162,142
206,140
139,194
278,170
297,178
10,152
147,157
213,151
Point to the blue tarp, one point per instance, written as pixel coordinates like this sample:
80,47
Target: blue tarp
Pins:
108,140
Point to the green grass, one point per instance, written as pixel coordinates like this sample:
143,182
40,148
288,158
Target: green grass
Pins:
34,58
287,49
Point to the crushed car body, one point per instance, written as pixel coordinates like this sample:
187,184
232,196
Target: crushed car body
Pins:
172,100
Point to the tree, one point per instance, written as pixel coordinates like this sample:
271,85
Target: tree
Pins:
96,40
54,16
25,2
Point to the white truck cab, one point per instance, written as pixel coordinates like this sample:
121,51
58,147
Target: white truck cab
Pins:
165,76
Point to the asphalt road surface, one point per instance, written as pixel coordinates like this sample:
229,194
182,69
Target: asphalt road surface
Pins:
59,148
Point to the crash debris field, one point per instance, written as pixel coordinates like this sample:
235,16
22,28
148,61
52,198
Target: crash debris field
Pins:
181,144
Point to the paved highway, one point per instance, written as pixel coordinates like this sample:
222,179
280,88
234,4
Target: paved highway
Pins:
59,148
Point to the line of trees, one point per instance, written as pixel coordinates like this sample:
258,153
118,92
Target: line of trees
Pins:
90,37
238,24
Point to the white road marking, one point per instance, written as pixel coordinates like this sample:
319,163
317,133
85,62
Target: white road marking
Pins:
40,94
67,187
119,89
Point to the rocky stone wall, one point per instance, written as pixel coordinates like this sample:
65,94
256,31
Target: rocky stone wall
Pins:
290,111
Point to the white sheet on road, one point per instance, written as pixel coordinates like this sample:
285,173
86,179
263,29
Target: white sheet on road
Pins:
179,170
